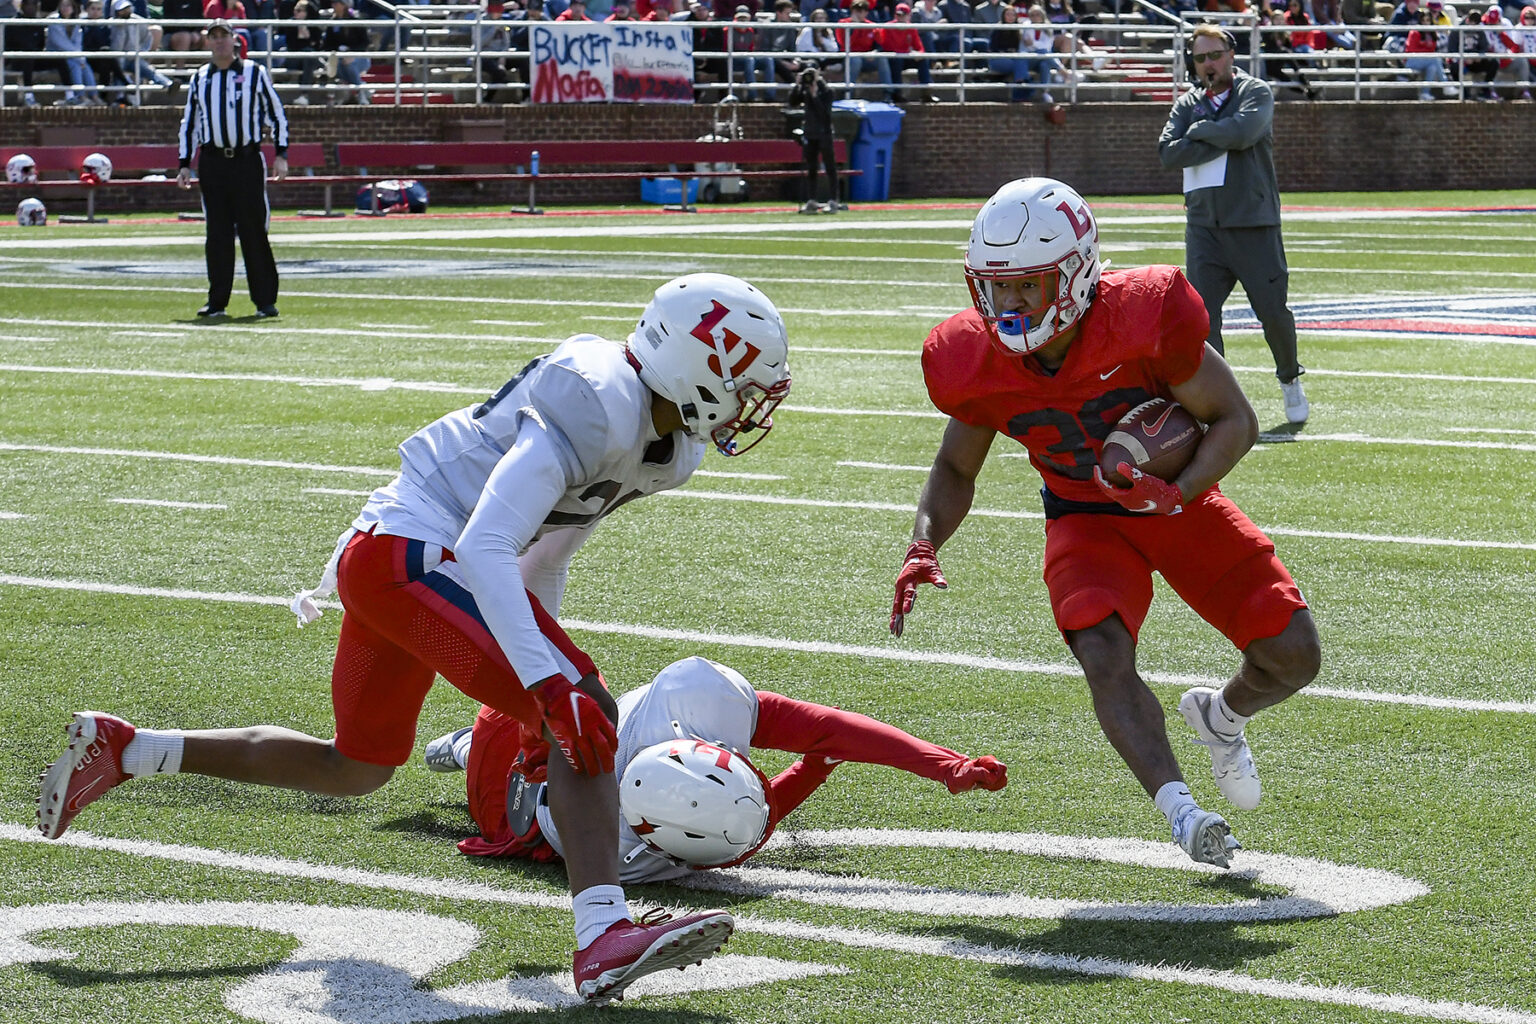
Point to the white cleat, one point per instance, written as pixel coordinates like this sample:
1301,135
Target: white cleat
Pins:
1206,837
449,752
1231,760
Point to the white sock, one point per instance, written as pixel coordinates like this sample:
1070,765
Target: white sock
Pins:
154,753
461,749
1174,801
597,908
1224,714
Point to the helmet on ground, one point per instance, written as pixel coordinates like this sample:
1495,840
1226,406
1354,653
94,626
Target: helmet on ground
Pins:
699,804
97,164
20,170
716,347
31,213
1034,227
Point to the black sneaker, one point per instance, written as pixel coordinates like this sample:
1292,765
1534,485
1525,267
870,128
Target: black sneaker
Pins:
266,312
209,312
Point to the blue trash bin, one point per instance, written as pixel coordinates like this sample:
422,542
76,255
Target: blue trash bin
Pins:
870,151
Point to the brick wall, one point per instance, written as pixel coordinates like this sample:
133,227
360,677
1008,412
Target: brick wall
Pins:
944,150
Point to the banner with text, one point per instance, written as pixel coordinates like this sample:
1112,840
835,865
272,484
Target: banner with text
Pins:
611,62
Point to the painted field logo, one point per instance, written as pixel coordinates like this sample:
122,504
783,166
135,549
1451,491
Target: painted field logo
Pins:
1505,319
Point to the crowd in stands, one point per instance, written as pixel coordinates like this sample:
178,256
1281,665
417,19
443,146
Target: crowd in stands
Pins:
1025,44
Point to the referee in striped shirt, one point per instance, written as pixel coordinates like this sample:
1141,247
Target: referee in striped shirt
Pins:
228,102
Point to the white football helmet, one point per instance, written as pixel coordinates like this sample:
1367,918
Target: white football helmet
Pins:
20,170
1034,227
716,347
98,165
31,213
697,803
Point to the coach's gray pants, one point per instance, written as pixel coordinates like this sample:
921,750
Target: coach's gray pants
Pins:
1219,258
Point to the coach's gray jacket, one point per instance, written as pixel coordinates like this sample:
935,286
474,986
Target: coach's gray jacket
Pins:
1241,126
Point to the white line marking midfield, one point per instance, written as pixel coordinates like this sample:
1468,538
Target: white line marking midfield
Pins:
748,640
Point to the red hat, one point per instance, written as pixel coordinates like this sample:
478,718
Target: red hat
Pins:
903,9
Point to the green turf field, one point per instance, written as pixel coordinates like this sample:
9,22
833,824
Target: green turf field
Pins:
166,485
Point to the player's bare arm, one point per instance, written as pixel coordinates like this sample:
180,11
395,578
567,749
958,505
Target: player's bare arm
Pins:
945,500
1232,427
951,486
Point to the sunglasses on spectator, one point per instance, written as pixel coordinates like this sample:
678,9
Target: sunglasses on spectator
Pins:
1201,58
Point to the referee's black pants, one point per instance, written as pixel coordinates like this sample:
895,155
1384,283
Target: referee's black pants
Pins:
234,191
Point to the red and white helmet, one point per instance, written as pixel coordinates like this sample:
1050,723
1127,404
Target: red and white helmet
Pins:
98,166
701,805
715,347
31,213
20,170
1034,226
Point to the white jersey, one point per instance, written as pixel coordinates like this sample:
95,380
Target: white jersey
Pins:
515,484
709,701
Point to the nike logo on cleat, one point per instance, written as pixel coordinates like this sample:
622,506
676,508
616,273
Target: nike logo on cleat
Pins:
75,803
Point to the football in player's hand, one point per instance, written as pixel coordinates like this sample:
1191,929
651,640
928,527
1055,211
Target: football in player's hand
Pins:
1157,437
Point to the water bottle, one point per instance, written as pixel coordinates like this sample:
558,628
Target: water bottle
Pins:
533,164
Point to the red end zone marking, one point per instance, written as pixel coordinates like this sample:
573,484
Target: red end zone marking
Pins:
1421,327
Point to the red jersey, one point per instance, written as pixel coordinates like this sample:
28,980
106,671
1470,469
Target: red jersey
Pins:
1144,333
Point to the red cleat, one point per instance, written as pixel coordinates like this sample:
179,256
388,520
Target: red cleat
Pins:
92,764
632,949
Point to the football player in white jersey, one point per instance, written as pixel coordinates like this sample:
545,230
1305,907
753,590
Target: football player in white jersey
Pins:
690,798
457,567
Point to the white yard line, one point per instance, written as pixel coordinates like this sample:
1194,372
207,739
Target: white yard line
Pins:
819,647
946,947
14,515
763,499
170,504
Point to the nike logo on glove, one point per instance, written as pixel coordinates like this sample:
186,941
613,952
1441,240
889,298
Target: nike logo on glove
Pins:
576,710
1111,373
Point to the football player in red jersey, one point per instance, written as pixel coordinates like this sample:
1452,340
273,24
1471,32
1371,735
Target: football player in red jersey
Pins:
1053,353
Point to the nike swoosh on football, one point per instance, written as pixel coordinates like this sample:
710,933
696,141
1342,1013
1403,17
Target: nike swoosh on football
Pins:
1111,373
1152,428
74,804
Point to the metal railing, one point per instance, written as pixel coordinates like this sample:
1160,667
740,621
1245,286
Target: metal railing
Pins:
452,52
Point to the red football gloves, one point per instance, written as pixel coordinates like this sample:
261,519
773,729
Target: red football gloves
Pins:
1147,493
583,733
987,772
921,566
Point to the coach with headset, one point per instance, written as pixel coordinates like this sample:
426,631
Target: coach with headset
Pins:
229,100
1221,136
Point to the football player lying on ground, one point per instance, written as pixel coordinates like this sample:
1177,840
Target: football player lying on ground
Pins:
1053,355
689,795
458,567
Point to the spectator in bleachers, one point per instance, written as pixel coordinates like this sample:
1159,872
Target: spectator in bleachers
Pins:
183,37
301,40
1477,65
1279,66
490,24
1021,54
621,12
96,37
1422,47
817,38
778,41
902,38
1502,43
958,12
576,10
989,12
136,35
926,12
1364,12
261,35
1405,16
747,64
1302,38
27,39
861,40
346,40
706,39
63,37
1525,35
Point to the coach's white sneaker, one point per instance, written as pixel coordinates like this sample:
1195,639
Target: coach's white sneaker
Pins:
1231,760
1206,837
1296,408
